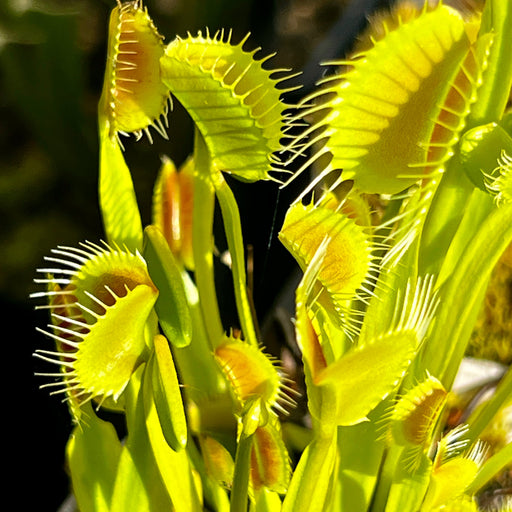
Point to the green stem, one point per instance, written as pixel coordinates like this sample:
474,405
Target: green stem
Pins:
233,228
462,292
386,477
444,217
240,488
118,203
479,205
312,479
494,93
361,449
196,366
202,242
483,416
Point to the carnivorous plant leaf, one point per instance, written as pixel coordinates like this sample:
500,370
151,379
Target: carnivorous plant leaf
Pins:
364,376
252,374
171,306
347,265
415,416
133,96
173,200
114,294
218,461
270,465
396,240
451,479
232,99
167,395
416,412
426,68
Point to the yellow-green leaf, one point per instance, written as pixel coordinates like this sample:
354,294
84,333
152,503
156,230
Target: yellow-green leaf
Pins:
111,351
347,263
218,461
449,481
98,319
171,306
270,463
365,376
167,395
417,411
119,209
252,374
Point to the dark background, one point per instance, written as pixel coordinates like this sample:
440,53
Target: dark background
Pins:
52,56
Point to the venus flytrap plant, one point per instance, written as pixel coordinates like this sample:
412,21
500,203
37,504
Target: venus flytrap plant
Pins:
373,108
414,417
239,125
103,289
385,306
232,81
259,390
133,98
451,476
346,96
173,199
348,267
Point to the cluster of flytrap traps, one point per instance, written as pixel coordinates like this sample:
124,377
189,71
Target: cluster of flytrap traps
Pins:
396,253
